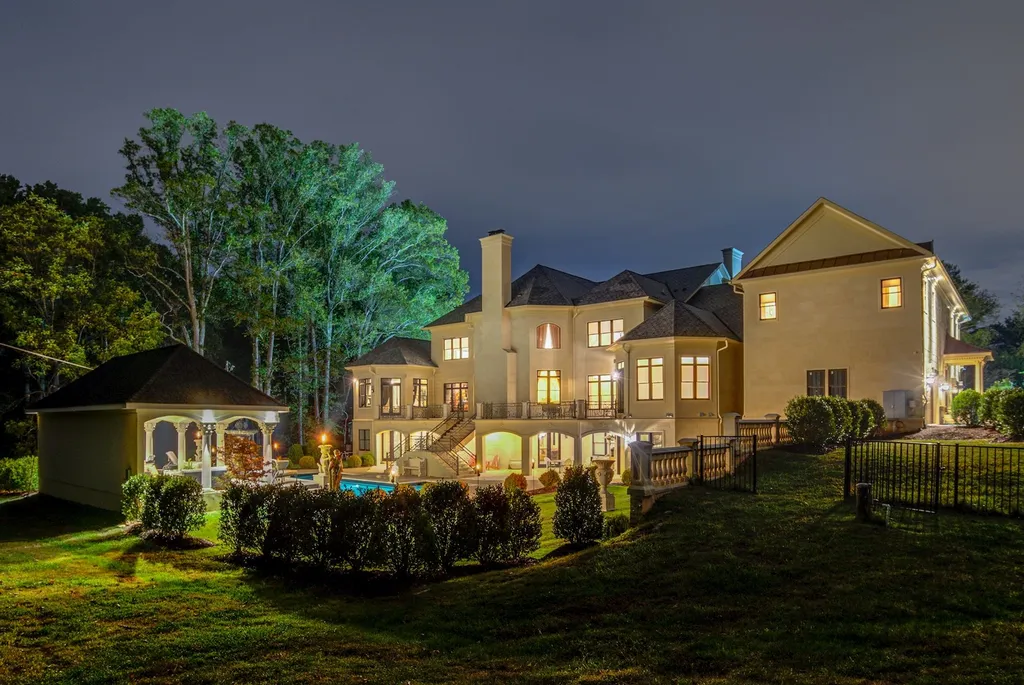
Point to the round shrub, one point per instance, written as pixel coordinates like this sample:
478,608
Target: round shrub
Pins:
287,522
515,481
843,416
1011,413
368,459
353,461
19,475
132,493
988,410
405,531
616,525
172,506
578,518
550,478
307,462
627,477
452,522
357,530
295,453
965,407
243,516
878,420
523,526
811,421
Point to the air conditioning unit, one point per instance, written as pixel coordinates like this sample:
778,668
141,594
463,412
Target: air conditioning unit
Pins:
899,404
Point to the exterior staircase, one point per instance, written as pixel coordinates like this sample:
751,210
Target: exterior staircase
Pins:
444,441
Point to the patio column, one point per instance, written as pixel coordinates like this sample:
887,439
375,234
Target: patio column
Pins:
221,428
267,429
480,460
149,427
182,428
979,378
209,430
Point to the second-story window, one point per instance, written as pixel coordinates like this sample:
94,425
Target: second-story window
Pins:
549,386
695,378
419,392
365,391
549,337
650,379
767,304
390,396
603,333
892,293
456,348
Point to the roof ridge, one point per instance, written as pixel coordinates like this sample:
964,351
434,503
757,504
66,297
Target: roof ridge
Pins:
175,349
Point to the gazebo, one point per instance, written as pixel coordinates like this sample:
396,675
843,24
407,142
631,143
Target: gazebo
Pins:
97,431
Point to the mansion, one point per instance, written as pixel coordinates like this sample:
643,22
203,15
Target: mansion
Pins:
550,369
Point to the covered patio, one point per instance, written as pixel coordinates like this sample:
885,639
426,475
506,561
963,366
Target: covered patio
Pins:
97,431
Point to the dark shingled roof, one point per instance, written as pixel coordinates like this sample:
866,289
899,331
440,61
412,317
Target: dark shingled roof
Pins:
954,346
626,286
677,319
458,315
546,286
723,302
398,351
682,283
167,375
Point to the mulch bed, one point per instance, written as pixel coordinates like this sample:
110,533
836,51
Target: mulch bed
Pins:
957,433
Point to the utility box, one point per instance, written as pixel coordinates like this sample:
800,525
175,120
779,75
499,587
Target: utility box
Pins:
899,404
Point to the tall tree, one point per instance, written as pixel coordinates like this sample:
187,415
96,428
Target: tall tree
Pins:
982,304
180,175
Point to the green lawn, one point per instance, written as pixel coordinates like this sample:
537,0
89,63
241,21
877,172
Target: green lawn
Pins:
715,587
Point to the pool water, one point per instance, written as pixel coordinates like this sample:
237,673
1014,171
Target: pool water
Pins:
361,487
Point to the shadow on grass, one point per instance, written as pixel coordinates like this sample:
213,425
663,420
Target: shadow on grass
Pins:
39,517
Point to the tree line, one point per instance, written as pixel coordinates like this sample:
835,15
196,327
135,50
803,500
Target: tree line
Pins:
230,232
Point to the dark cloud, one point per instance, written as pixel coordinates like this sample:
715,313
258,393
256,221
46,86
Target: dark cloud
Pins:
603,135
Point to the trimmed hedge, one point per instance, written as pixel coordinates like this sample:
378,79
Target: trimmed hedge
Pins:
367,459
578,517
404,532
627,477
877,414
616,525
990,407
550,478
811,421
966,407
169,506
307,462
19,475
515,481
1011,413
353,461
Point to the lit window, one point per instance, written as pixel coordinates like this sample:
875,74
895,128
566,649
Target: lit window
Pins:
549,386
892,293
600,391
767,303
599,444
657,439
650,379
391,396
456,348
695,378
419,392
456,395
603,333
549,337
365,391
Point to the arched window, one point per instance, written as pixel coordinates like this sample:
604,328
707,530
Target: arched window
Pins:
549,337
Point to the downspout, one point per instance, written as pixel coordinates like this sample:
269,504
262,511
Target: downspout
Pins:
718,384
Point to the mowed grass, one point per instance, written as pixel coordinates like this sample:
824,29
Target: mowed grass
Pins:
714,587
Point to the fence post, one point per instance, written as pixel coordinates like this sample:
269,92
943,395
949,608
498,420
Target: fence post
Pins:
848,468
699,461
938,473
956,476
753,464
641,487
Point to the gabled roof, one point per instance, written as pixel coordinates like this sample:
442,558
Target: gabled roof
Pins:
676,320
682,283
543,285
173,375
899,243
724,302
626,286
410,351
829,262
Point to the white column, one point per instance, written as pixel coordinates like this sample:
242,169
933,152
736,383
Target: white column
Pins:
221,427
209,430
182,428
149,427
268,444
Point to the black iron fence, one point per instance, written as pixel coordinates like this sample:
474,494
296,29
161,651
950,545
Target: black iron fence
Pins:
726,462
931,476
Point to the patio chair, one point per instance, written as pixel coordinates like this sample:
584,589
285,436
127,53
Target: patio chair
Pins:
172,462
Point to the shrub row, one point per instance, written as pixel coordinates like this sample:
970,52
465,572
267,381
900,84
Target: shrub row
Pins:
19,475
821,421
169,506
999,408
405,531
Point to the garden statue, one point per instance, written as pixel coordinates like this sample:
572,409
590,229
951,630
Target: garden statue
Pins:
603,474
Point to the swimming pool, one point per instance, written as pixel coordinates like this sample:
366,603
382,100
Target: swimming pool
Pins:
360,487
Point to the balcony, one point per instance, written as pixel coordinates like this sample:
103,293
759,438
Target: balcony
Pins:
552,410
601,410
430,412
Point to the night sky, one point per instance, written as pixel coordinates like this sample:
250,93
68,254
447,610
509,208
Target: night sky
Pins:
602,135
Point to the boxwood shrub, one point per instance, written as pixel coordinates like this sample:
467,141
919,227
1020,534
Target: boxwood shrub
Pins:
168,506
966,407
990,407
1011,413
811,421
19,475
578,517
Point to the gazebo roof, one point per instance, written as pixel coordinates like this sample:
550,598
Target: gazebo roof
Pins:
168,376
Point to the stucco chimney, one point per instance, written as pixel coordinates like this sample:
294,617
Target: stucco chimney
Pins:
494,338
733,260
